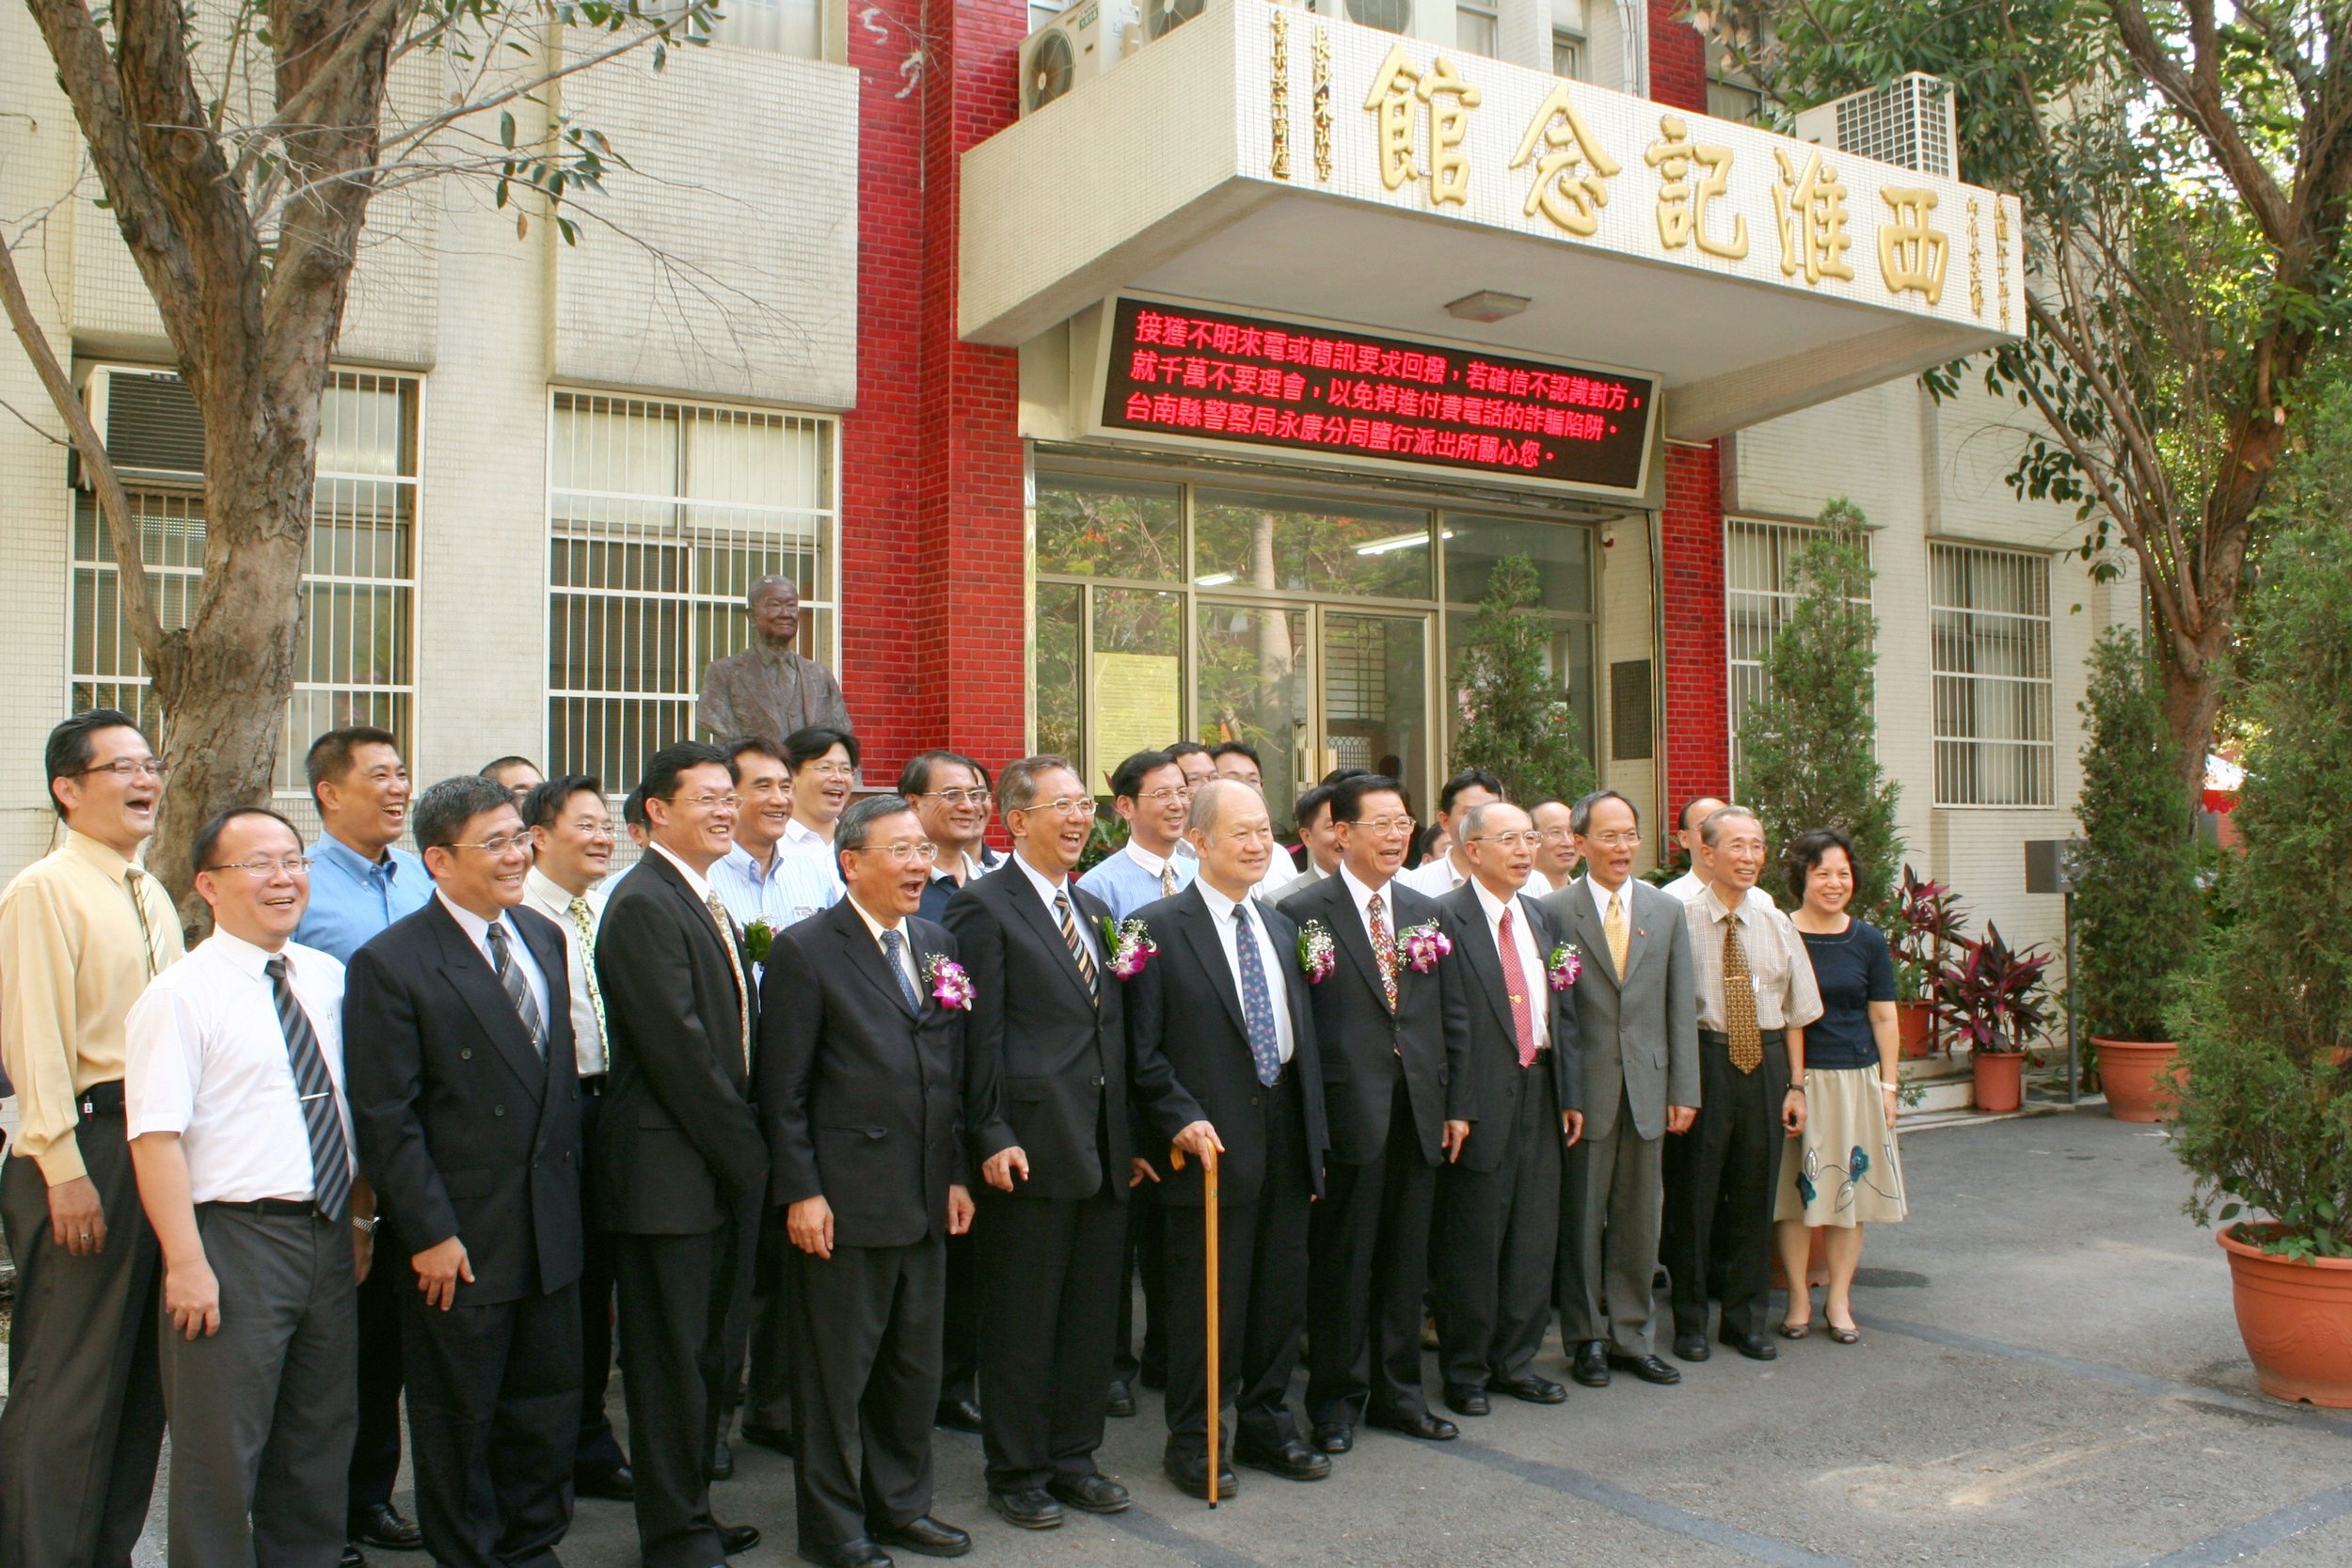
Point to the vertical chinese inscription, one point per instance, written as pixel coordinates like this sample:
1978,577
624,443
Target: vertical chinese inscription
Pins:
1912,252
1397,89
1321,106
1976,267
1809,208
1281,104
2000,255
1572,172
1682,208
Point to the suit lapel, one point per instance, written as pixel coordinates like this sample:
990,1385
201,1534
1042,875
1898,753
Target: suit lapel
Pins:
1487,963
1195,927
1638,936
866,954
1591,938
1032,910
1340,915
477,985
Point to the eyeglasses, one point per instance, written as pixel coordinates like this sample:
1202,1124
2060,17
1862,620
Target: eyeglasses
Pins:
902,854
500,845
1381,824
1556,835
1062,806
130,767
955,797
831,769
1162,797
709,802
1618,841
1520,840
588,827
294,865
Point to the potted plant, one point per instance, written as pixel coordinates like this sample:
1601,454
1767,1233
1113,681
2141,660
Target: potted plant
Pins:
2265,1018
1925,919
1995,998
2134,880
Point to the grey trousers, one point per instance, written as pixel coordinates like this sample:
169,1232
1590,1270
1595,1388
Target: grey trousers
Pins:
85,1417
264,1412
1611,1190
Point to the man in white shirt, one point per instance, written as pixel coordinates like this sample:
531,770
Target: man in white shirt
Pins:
241,1138
1463,793
1318,835
571,834
1691,883
824,765
1555,865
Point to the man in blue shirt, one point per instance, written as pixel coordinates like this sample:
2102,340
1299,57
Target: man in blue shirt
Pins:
1147,790
359,884
752,881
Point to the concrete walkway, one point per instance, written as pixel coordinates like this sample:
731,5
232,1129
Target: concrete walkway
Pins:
2049,1374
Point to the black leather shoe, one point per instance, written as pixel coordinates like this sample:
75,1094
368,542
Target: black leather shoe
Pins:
353,1557
722,1461
1753,1346
1527,1388
735,1540
380,1525
1334,1437
1031,1508
1122,1400
1692,1347
1291,1461
775,1439
1592,1364
1648,1368
613,1482
1190,1472
1466,1399
1421,1424
1096,1493
860,1553
957,1415
926,1537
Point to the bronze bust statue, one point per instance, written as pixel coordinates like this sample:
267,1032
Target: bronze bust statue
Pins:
769,690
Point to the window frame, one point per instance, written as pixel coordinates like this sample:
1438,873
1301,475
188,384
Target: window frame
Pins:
1952,749
1743,673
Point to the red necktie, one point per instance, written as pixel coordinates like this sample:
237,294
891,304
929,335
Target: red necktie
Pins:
1514,981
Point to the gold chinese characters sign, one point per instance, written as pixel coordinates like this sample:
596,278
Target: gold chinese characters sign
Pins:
1454,134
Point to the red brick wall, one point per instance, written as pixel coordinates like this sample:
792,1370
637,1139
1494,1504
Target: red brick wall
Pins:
1697,678
1677,58
934,611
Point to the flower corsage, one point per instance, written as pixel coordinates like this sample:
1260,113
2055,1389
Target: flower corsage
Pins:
1424,946
950,986
1317,953
1129,944
1561,966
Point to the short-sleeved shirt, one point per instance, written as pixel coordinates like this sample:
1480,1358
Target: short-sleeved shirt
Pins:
1853,969
351,897
1777,965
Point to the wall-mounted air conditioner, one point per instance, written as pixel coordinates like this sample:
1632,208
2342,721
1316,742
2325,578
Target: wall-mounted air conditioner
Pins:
151,425
1076,46
1910,123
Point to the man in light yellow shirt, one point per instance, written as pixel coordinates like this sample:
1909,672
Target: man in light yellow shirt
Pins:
82,932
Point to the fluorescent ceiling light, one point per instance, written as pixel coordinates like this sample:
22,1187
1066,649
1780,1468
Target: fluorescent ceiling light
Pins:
1399,542
1488,305
1214,579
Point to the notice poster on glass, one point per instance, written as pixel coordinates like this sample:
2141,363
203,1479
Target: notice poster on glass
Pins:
1138,707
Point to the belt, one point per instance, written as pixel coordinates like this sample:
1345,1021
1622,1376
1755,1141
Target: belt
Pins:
277,1208
103,1099
1716,1036
593,1083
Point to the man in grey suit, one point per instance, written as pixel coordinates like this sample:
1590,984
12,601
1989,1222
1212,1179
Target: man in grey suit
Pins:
1637,1016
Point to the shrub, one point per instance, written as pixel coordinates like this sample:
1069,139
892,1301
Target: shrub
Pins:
1516,722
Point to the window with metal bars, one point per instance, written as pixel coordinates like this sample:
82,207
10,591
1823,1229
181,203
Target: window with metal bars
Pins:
660,517
356,663
1990,634
1758,598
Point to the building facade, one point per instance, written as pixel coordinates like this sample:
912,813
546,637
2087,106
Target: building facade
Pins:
858,318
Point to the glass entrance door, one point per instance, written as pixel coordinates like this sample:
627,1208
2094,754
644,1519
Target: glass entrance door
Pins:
1255,666
1375,695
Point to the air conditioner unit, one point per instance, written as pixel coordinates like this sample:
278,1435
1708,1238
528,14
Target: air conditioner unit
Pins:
1910,123
1076,46
150,422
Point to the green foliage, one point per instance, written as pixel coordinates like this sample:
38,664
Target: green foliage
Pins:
1992,997
1808,745
2264,1020
2135,882
1517,720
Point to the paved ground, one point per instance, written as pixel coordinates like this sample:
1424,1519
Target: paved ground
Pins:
2049,1375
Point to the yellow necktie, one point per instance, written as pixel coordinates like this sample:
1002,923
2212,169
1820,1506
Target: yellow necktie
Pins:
1620,939
1747,1044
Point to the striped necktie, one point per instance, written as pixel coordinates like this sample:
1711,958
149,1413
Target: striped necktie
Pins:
1077,945
330,1153
518,989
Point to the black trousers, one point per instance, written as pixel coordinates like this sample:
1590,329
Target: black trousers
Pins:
767,1391
598,1447
1263,1272
1497,1239
1367,1274
1719,1189
1048,1307
864,1382
84,1416
960,1331
1146,1263
375,1453
677,1295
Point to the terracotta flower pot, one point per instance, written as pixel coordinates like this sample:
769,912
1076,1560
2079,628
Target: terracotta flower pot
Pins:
1915,1024
2001,1079
2296,1319
2140,1078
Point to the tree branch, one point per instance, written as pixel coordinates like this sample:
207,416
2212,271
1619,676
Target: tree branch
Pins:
2198,97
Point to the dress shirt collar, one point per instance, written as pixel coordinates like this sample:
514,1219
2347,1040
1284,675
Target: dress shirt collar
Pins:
1155,865
1601,895
695,881
875,928
1491,905
1047,889
747,864
476,929
548,893
1221,908
973,866
246,958
800,835
1715,910
1363,895
107,858
330,847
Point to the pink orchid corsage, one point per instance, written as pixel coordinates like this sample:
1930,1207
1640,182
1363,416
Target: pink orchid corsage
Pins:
1130,945
950,986
1317,953
1563,966
1424,946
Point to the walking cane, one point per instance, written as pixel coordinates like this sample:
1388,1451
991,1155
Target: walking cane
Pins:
1217,1382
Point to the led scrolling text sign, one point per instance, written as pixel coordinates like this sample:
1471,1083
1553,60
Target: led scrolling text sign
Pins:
1199,375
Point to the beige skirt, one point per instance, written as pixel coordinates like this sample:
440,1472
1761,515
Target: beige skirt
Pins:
1844,1169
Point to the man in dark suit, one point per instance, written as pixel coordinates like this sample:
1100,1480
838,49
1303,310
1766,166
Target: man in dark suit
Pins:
1221,1054
1045,1108
466,1104
1637,1019
860,1080
1498,1224
1393,1032
680,1156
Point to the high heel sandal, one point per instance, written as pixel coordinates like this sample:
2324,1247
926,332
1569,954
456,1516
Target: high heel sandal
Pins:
1843,1336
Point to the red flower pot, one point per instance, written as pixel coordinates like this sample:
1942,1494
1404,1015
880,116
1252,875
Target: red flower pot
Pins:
1914,1025
2001,1079
2296,1319
2140,1079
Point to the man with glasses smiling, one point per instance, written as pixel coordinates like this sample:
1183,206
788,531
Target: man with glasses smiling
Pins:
1150,793
823,764
950,794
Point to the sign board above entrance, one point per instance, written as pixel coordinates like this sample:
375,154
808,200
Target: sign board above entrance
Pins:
1196,374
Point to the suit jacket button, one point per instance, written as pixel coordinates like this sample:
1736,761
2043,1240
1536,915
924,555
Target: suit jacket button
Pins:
465,1053
498,1110
1098,1080
1253,1100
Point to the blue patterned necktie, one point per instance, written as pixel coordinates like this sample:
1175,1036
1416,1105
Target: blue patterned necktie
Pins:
892,941
330,1155
1257,1000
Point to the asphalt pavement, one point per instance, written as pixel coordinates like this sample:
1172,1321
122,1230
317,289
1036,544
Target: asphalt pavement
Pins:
2049,1374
